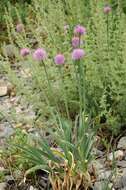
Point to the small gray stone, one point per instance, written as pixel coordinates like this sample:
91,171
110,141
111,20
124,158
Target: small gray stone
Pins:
3,186
6,130
122,143
117,155
3,88
97,152
97,166
31,188
120,181
104,175
9,179
100,185
121,164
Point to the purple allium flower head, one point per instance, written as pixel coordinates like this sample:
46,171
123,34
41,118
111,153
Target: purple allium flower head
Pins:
107,9
19,28
75,42
59,59
24,52
40,54
78,54
79,30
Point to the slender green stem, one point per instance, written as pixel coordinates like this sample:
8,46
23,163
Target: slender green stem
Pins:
64,93
82,85
52,110
108,31
50,86
78,84
48,102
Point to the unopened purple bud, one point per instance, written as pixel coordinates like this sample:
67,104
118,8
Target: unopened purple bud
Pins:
59,59
79,30
40,54
78,54
107,9
24,52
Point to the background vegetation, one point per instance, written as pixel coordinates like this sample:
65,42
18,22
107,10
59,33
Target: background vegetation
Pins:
51,90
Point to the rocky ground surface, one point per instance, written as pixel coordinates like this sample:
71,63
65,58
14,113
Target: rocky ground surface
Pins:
105,175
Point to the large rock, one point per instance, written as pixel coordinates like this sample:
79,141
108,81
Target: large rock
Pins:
3,186
122,143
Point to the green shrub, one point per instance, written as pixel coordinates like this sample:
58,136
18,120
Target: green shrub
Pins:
104,63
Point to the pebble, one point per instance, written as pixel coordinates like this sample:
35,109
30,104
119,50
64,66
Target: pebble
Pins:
122,143
100,185
120,183
3,89
9,179
6,130
117,155
104,174
121,164
120,180
6,88
31,188
97,153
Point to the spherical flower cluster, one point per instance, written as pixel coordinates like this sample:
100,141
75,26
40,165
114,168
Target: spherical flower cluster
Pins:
24,52
79,30
40,54
19,28
78,54
59,59
107,9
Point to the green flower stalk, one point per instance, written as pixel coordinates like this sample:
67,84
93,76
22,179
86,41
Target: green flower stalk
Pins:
77,56
59,61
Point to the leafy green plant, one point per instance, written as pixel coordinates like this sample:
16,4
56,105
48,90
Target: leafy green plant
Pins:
105,59
10,154
67,164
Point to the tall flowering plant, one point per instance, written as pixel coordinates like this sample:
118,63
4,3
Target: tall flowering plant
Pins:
67,162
